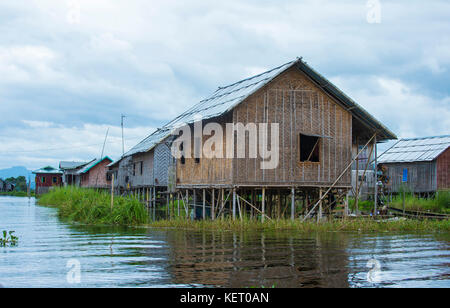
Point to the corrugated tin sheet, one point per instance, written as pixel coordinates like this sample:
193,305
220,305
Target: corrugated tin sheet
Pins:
415,150
92,164
226,98
71,164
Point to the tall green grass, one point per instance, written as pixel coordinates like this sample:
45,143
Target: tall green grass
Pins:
361,225
94,207
439,204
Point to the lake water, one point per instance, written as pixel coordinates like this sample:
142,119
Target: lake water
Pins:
52,253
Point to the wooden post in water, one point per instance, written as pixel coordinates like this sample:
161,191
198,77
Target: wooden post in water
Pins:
178,204
319,214
112,192
204,204
223,202
212,205
346,206
263,204
234,203
187,204
292,203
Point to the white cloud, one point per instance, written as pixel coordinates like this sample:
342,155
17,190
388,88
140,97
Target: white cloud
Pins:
64,82
403,109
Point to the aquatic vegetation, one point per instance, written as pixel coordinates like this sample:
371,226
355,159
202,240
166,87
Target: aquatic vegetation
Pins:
16,194
438,204
90,206
360,225
8,239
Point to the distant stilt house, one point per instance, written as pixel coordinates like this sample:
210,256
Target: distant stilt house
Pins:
95,174
70,172
419,165
300,137
144,170
47,178
6,186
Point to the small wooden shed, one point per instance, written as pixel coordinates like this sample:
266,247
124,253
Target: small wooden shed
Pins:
422,165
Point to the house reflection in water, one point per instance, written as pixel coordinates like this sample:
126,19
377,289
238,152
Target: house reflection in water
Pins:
234,260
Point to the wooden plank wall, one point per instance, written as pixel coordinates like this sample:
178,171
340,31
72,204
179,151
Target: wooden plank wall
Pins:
443,170
421,176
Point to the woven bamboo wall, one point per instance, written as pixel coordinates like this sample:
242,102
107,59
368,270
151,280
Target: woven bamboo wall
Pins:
209,172
294,102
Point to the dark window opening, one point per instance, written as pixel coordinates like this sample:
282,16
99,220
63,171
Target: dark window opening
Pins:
309,148
55,180
43,179
197,149
142,168
134,169
108,177
182,159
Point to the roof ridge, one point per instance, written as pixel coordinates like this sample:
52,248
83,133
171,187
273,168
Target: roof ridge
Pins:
258,75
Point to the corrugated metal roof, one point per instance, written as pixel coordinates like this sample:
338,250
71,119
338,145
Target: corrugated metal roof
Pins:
71,164
226,98
416,149
92,164
47,170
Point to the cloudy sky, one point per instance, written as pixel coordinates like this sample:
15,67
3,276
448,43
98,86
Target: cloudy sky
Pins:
69,69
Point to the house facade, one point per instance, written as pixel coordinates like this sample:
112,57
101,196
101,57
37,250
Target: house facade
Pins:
70,172
319,129
95,174
419,165
46,178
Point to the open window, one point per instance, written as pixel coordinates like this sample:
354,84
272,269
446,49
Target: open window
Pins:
309,148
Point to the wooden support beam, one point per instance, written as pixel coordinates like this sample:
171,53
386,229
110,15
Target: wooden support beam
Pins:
204,204
292,203
234,203
212,205
338,178
263,206
254,207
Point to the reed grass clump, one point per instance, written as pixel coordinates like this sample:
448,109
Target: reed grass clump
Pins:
90,206
360,224
439,204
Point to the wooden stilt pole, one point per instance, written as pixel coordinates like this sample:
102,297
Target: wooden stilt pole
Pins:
223,202
213,205
234,203
112,191
187,204
319,214
263,204
292,203
204,204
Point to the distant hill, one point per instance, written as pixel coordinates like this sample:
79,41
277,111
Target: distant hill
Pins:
18,171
